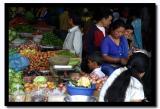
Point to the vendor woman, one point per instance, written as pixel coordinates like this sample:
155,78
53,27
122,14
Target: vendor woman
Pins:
114,48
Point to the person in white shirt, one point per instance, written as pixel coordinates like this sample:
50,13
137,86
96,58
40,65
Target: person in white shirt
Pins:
73,41
124,84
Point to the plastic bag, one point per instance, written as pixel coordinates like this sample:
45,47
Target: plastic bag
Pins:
18,62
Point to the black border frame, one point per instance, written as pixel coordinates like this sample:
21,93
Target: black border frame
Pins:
100,104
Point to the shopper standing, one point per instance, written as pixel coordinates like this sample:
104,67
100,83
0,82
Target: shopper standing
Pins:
73,40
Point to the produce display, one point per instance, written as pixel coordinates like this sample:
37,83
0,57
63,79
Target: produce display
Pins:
74,61
98,81
50,39
29,16
24,28
84,82
30,67
66,53
18,62
15,81
81,82
29,45
17,21
39,61
12,34
12,51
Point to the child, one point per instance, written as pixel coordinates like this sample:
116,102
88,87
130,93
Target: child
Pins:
94,63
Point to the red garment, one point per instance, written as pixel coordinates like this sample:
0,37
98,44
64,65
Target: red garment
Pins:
98,37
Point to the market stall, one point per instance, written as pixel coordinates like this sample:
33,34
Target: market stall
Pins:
40,71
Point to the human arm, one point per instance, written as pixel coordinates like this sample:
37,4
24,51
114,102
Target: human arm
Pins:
107,52
77,43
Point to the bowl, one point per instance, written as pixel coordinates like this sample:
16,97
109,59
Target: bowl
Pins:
72,90
80,98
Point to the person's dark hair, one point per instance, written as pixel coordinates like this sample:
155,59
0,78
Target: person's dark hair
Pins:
96,57
128,26
116,24
101,13
138,63
75,18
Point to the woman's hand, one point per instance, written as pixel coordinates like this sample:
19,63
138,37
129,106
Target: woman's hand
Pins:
123,61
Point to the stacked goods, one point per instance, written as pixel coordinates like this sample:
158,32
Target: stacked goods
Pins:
18,62
28,49
12,34
51,39
15,81
12,51
17,21
28,52
39,82
39,61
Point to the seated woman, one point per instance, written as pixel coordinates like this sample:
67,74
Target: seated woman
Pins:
114,48
129,32
125,84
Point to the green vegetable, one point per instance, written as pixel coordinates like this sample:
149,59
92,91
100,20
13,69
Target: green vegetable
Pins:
15,81
25,28
40,80
51,39
29,16
66,53
12,34
12,51
74,61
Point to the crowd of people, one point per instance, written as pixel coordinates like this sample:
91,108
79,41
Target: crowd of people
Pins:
107,48
109,43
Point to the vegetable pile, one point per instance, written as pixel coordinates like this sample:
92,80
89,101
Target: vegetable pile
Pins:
24,28
17,21
15,81
74,61
81,82
29,46
12,51
66,53
51,39
39,61
12,34
39,82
